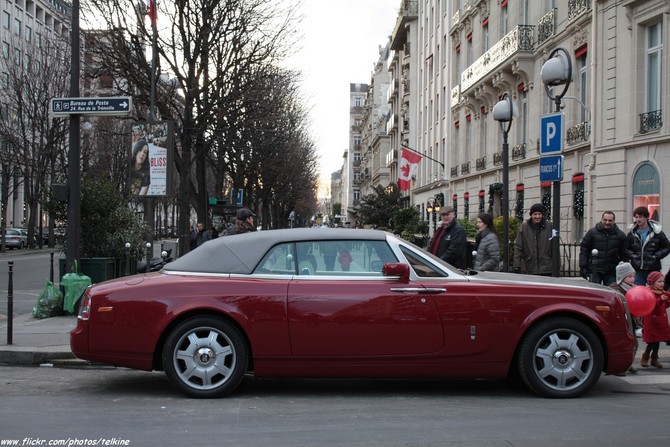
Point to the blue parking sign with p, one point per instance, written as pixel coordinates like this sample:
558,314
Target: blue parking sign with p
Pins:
551,133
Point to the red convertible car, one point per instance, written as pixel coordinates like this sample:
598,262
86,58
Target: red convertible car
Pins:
350,303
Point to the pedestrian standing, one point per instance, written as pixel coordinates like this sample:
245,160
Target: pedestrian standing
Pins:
656,327
244,222
533,247
609,242
646,245
202,236
449,241
487,245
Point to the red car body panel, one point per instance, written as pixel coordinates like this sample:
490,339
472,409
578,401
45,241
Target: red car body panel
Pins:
336,328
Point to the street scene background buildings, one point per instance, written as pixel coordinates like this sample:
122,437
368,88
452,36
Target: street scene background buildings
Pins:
450,61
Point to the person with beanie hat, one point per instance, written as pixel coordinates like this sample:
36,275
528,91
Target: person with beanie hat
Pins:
625,280
601,249
533,247
656,327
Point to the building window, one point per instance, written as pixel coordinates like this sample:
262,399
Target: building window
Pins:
17,27
583,85
358,101
5,50
523,117
29,34
504,17
647,190
654,67
5,19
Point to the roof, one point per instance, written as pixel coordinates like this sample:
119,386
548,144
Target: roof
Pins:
241,253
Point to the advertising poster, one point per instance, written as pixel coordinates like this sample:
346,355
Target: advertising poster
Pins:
151,159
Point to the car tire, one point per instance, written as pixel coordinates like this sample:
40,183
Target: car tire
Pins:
205,357
560,357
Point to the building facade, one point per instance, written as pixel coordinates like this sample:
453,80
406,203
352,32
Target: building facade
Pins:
25,26
453,60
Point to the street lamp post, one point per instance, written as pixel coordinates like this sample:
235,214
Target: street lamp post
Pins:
431,216
503,112
556,71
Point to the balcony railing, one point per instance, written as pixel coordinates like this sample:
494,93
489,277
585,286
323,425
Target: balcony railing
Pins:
577,134
650,121
498,159
520,39
480,164
465,168
546,27
454,171
576,7
519,152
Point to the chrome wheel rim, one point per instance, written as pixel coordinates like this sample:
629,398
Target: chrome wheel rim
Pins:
204,358
563,359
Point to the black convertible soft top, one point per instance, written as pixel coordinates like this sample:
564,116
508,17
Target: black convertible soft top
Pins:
241,253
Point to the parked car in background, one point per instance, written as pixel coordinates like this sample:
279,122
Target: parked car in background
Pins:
59,235
284,303
14,238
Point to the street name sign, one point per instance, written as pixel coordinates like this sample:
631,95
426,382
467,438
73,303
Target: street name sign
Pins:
551,133
551,168
117,105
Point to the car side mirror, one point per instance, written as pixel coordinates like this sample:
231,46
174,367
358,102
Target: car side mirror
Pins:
397,269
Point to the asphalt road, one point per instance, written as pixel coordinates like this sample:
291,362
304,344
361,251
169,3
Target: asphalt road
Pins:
140,408
31,271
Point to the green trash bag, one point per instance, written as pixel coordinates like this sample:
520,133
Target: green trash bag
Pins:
74,286
49,303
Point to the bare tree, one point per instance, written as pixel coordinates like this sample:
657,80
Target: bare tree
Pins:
209,51
33,142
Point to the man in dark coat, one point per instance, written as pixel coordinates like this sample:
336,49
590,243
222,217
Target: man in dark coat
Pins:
244,222
609,241
646,245
532,246
449,241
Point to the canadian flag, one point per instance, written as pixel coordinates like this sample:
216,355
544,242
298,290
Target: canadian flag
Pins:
409,161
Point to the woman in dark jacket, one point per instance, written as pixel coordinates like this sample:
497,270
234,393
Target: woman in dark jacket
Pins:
487,245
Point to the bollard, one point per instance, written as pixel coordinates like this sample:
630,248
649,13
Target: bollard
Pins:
149,251
127,258
10,303
51,273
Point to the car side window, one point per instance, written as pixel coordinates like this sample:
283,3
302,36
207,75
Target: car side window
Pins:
421,267
343,257
280,260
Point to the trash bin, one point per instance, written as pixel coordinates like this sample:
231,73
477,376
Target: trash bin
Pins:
73,285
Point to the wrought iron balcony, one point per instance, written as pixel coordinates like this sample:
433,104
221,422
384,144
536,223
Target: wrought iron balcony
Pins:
650,121
465,168
480,164
498,159
520,39
454,171
578,133
519,152
576,7
546,27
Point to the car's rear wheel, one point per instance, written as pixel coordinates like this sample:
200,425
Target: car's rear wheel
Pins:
561,357
205,357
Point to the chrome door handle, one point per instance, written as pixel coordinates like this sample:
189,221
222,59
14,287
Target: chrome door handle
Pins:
417,290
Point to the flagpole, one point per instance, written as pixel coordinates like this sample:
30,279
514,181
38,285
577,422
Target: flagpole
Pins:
423,155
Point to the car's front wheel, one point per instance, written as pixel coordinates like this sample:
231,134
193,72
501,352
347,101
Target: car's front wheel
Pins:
560,357
205,357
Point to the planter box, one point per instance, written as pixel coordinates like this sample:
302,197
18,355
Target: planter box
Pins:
98,269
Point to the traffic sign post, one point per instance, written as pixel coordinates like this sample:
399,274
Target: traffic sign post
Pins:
117,105
551,133
551,168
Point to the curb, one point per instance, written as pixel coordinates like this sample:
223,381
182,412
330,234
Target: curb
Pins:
28,357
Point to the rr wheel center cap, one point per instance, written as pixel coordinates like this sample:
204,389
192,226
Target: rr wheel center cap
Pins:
562,358
205,356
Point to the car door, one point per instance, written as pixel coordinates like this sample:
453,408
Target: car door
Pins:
359,312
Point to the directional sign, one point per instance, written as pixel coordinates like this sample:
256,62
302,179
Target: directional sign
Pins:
117,105
551,133
551,168
240,196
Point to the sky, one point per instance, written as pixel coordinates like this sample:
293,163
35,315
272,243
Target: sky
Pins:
341,45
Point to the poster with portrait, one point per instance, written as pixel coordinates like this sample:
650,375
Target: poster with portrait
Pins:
151,159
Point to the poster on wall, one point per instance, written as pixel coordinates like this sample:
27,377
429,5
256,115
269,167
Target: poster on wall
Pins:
151,159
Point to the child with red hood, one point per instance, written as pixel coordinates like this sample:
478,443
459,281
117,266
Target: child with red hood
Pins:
656,327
